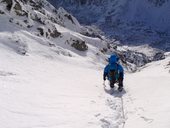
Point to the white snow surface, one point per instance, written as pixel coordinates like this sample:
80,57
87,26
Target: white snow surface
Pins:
46,83
45,90
147,99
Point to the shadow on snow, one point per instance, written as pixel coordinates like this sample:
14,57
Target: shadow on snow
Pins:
114,92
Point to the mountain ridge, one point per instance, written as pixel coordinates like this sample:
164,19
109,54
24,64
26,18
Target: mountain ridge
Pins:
131,22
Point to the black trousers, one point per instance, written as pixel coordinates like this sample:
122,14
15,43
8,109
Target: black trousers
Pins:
113,79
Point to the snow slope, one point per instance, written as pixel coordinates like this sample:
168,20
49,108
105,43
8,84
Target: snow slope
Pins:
147,100
47,83
45,90
44,81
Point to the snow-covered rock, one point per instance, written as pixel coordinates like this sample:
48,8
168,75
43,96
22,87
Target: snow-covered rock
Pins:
39,18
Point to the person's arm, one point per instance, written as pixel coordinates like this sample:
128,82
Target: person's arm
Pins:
105,72
121,71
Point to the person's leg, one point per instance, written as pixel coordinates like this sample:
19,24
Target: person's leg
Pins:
120,80
112,78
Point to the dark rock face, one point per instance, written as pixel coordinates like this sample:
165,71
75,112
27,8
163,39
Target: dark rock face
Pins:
158,3
41,31
36,4
9,4
17,6
18,9
1,12
79,45
54,33
51,32
69,17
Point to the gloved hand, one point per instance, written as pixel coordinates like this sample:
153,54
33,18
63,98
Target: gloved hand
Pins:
104,76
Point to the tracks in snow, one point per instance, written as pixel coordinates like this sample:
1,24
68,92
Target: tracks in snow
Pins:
115,116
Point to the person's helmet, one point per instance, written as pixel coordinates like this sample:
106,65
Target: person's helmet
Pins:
113,59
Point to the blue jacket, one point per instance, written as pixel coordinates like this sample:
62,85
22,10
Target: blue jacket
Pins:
113,65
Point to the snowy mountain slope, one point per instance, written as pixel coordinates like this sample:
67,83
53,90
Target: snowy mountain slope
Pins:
39,11
51,77
147,100
60,30
40,69
38,92
40,83
42,23
132,22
